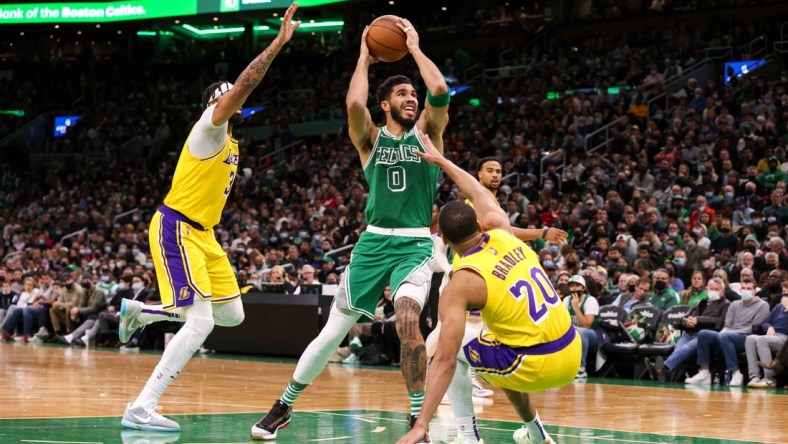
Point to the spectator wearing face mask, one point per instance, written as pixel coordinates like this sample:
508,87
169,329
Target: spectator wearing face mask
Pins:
706,314
86,314
725,240
746,260
583,308
739,320
60,311
662,297
763,347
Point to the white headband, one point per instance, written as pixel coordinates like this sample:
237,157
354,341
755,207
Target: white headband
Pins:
221,90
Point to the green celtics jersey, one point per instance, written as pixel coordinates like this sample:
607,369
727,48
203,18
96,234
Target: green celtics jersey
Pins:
402,185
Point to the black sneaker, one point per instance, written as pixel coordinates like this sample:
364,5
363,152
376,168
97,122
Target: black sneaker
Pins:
277,418
662,371
79,342
426,437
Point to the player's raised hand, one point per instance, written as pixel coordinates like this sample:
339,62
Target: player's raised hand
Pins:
288,28
432,155
364,52
411,36
556,236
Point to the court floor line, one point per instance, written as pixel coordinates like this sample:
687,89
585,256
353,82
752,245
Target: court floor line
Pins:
370,416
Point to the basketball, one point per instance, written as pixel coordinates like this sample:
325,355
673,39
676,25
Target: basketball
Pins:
386,40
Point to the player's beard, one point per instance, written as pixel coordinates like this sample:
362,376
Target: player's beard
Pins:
399,118
236,119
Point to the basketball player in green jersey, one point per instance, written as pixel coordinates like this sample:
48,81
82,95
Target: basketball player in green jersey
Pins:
396,247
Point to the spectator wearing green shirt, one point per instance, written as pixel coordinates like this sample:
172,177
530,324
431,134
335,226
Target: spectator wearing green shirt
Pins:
772,175
662,296
697,291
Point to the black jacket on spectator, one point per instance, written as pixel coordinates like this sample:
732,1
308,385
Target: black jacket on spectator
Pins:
710,315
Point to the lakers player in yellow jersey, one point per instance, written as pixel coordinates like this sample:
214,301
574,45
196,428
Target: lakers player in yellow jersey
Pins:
490,174
529,343
196,281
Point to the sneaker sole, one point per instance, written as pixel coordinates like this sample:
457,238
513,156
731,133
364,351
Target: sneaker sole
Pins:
147,427
272,436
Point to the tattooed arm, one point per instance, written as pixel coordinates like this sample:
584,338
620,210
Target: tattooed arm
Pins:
413,356
251,76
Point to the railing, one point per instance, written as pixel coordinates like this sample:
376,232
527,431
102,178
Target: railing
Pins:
10,255
761,41
590,137
502,57
514,174
22,130
76,233
290,146
504,72
473,72
549,158
122,215
340,249
711,55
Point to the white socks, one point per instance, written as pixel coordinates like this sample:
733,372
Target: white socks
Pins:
536,431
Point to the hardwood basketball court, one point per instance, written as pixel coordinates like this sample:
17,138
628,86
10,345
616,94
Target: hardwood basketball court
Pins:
72,395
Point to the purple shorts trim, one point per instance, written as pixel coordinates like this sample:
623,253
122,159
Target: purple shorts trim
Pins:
500,359
172,214
176,262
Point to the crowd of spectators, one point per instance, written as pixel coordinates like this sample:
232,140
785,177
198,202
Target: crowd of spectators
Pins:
679,195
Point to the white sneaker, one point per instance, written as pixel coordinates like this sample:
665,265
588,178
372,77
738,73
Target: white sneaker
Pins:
581,373
479,391
737,379
754,381
42,332
132,347
140,418
521,437
703,377
129,322
36,339
352,359
764,383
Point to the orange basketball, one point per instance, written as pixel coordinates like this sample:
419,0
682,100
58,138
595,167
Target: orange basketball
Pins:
386,40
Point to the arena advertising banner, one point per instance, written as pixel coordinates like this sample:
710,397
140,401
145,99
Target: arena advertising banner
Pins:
100,12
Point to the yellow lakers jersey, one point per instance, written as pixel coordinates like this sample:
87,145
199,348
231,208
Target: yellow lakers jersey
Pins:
200,186
522,306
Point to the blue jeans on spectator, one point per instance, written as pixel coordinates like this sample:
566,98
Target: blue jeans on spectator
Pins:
729,343
588,340
24,313
684,350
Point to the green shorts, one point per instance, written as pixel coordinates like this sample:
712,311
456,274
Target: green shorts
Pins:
380,259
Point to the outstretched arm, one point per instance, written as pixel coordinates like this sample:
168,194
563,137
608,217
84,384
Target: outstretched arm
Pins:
554,235
436,114
452,314
251,76
488,211
359,119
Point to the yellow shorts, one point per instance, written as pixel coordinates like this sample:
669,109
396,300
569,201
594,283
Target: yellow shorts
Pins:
525,369
189,262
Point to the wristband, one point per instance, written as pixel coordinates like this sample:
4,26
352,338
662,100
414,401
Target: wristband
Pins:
438,101
544,232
